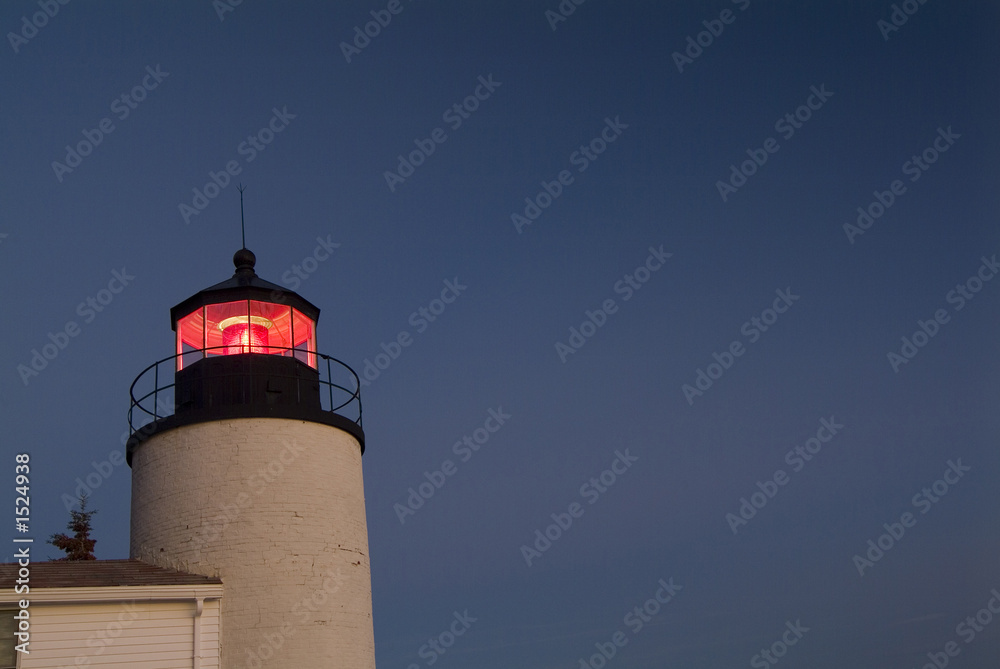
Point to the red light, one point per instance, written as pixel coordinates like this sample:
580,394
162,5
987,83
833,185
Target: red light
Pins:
243,337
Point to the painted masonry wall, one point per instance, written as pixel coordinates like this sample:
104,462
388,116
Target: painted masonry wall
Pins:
275,507
121,635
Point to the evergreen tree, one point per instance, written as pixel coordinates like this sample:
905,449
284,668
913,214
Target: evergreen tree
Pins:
79,546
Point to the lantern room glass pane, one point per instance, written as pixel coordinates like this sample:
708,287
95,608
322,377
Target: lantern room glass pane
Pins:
304,337
226,325
279,330
191,338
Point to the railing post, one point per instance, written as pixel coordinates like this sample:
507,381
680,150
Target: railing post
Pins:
329,381
156,390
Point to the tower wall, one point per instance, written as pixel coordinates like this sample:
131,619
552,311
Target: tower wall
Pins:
275,508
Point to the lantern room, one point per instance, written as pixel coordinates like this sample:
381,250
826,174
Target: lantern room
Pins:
245,326
245,315
244,348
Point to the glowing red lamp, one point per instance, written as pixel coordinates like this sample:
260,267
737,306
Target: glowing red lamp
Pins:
238,336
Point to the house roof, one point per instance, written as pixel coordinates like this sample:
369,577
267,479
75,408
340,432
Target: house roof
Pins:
100,573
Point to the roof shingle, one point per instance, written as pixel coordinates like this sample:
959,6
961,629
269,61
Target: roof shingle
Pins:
100,573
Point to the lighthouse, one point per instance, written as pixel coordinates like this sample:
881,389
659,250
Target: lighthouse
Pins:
245,450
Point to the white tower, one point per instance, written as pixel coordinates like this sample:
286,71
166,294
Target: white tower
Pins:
253,474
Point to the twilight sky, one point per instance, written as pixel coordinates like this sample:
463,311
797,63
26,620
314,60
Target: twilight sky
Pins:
711,368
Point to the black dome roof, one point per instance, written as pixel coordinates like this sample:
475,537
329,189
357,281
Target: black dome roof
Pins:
243,285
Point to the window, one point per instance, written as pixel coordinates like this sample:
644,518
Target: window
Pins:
8,625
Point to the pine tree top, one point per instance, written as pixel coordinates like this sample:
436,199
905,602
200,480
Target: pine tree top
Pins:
79,546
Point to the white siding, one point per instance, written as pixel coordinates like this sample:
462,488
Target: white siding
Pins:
121,635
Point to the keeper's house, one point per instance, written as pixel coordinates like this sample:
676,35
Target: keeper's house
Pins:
112,613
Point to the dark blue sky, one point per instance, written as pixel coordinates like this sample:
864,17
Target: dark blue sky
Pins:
337,127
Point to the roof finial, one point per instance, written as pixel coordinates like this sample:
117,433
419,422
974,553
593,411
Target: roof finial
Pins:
244,258
243,227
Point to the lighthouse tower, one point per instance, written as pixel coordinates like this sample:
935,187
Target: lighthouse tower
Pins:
246,452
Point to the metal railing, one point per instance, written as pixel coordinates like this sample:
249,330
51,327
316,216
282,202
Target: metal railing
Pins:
158,402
